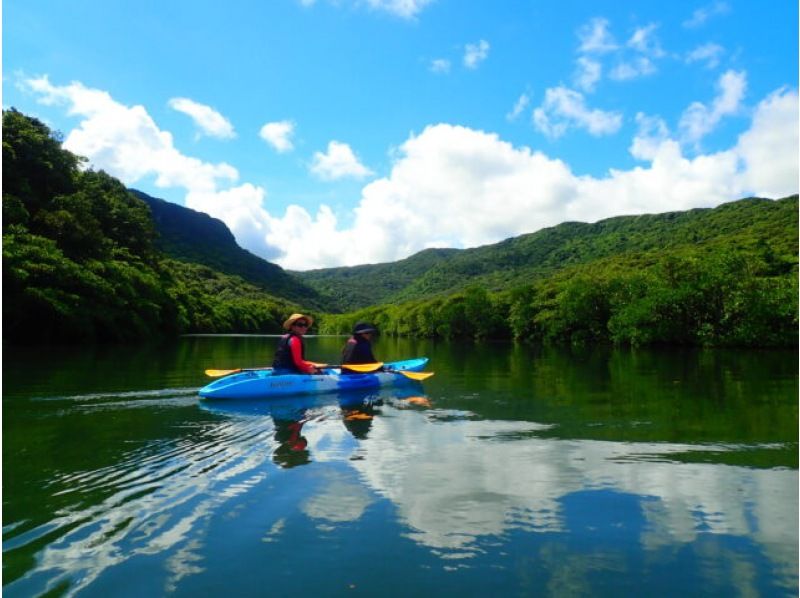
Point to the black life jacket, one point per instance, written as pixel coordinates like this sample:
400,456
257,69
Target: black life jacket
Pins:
357,350
283,354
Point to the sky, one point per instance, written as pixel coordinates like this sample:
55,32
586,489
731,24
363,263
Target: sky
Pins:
341,132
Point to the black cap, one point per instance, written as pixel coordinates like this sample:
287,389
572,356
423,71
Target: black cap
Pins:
362,327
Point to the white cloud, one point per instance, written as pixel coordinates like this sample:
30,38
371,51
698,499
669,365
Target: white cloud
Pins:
633,69
210,122
769,147
519,107
595,38
474,54
440,65
709,53
652,133
645,42
636,58
588,73
125,141
407,9
701,15
339,162
487,188
278,134
564,108
698,120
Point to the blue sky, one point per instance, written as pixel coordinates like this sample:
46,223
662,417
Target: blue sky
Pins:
328,133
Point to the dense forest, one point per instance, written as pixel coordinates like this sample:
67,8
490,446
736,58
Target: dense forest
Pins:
197,238
720,277
84,258
80,260
520,260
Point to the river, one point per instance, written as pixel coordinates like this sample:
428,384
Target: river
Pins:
514,470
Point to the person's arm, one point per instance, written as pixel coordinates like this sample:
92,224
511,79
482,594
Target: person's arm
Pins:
347,353
304,366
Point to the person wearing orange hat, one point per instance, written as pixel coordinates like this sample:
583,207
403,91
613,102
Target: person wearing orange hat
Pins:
290,354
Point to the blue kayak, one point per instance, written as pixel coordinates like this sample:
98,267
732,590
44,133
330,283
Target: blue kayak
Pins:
259,384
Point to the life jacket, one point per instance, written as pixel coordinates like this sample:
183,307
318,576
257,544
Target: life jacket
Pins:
357,350
283,354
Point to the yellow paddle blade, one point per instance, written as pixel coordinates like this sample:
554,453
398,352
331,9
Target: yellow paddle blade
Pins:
414,375
218,373
363,367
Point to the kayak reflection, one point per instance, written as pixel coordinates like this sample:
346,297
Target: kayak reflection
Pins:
290,415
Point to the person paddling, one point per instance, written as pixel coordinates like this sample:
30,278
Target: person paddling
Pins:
358,348
290,354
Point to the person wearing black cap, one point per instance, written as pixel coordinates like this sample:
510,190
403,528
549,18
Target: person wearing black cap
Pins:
358,348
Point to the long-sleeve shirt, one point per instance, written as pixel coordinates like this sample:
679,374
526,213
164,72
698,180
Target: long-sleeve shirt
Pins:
296,348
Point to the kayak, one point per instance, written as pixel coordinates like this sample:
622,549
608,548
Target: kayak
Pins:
259,384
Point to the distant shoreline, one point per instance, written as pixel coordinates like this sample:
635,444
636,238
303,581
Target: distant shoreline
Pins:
235,334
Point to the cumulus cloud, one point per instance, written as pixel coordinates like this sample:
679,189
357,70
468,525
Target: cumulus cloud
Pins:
474,54
209,121
704,13
707,53
633,69
588,73
698,120
278,134
644,41
125,141
337,163
488,188
440,65
636,58
651,134
407,9
519,107
769,148
595,37
564,108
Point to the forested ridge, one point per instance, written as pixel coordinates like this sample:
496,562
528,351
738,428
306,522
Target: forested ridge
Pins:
80,260
727,277
521,260
197,238
84,258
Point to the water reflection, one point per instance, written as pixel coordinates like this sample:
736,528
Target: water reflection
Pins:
450,488
514,471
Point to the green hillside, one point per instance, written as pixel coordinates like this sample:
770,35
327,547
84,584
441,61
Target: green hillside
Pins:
194,237
81,263
86,259
358,286
527,258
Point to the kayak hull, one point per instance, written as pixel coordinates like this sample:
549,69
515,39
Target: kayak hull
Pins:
259,384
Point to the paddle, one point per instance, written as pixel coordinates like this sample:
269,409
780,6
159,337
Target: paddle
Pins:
356,367
371,367
412,375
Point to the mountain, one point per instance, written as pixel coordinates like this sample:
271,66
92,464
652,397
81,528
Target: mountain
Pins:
526,258
352,287
194,237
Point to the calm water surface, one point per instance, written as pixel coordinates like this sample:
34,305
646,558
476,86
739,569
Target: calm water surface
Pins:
513,471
